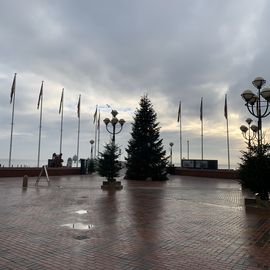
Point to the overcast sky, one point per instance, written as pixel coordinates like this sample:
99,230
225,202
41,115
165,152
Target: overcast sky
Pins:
113,52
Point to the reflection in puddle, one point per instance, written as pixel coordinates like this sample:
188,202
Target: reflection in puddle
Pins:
81,212
79,226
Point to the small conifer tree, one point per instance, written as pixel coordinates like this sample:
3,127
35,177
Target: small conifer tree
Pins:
146,157
255,170
108,165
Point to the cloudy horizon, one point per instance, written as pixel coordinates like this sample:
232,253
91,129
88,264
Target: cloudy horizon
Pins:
115,52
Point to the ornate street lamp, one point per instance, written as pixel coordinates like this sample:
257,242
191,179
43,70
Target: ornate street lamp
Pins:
171,145
113,122
92,142
249,133
258,105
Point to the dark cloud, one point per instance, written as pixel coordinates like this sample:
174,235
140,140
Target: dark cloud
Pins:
116,51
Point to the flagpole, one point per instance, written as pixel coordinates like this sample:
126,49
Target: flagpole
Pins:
95,122
228,145
12,117
95,139
179,119
62,116
40,121
79,121
181,142
202,137
227,124
98,134
202,127
61,131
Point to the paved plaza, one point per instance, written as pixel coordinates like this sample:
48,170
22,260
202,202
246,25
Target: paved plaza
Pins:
184,223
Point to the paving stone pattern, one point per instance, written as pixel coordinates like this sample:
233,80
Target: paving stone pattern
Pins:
184,223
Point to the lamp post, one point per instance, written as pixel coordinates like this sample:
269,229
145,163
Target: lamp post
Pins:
171,145
246,131
187,149
258,105
114,121
92,142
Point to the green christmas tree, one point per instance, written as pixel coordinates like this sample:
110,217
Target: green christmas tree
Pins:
255,170
146,157
108,165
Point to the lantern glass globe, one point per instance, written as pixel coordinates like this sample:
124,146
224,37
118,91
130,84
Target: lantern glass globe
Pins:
243,128
265,93
247,95
259,82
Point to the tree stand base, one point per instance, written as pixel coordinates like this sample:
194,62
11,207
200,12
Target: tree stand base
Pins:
257,203
115,185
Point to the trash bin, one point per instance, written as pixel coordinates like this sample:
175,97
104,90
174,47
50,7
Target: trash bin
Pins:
50,162
83,166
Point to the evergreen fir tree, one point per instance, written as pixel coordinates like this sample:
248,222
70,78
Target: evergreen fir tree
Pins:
255,170
108,165
146,157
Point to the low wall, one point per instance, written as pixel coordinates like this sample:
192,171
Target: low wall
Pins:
32,172
226,174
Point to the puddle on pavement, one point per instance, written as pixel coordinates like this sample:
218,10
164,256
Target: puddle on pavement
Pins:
81,237
81,212
79,226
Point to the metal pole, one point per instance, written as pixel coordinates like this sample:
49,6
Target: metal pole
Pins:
91,151
11,133
259,120
187,149
228,144
98,142
171,155
201,116
113,138
181,148
249,137
40,121
202,138
78,140
98,134
61,131
95,150
227,124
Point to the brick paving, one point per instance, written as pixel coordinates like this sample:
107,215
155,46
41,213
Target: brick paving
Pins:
184,223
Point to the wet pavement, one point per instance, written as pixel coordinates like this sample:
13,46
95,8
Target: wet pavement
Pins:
184,223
